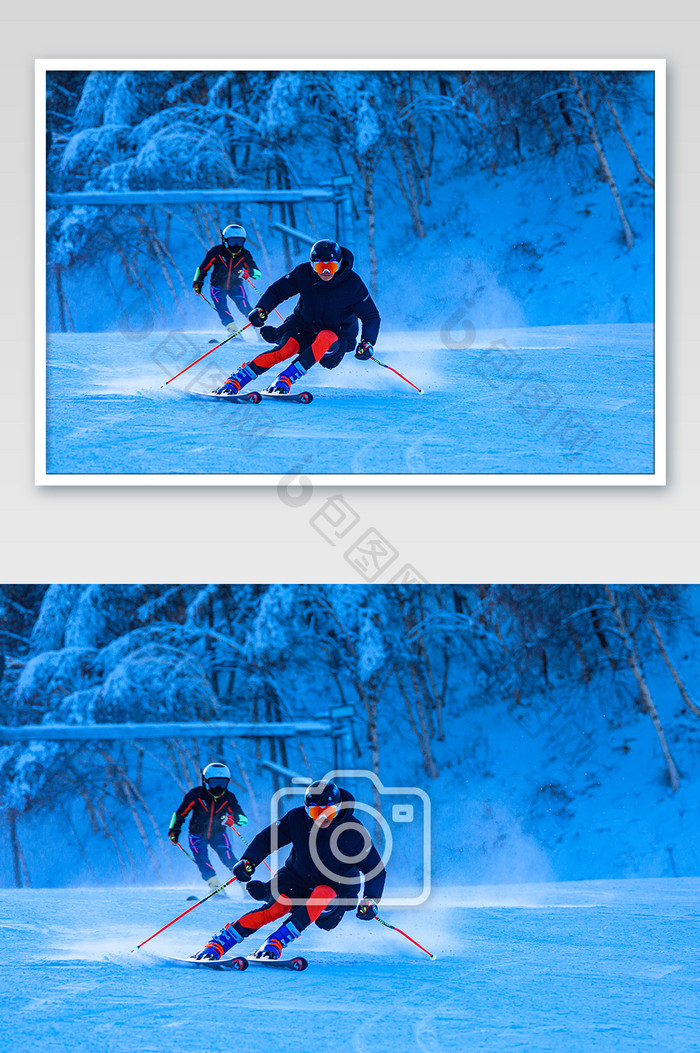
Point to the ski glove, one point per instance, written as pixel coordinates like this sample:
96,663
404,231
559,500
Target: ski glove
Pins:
259,890
235,820
174,828
244,870
257,317
256,273
364,350
197,286
334,358
330,917
367,910
269,333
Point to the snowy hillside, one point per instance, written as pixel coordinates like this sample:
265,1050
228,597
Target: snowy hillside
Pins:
479,198
515,708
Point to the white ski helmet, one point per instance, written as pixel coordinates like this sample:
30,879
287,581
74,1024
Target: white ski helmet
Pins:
216,778
233,236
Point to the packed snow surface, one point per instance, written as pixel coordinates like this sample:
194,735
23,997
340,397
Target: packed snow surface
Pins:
590,965
575,399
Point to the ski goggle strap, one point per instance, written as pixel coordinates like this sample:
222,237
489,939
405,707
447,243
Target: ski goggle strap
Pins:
316,811
325,266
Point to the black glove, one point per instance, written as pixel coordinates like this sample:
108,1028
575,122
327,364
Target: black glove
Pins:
364,350
257,317
330,917
197,286
269,333
334,359
174,835
259,890
244,870
367,909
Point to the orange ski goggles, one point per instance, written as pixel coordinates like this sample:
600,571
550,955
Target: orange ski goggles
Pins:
317,812
325,266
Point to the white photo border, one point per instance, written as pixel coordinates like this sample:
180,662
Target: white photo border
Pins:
655,478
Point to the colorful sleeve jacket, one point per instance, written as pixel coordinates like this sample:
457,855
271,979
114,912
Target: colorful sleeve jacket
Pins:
226,268
205,812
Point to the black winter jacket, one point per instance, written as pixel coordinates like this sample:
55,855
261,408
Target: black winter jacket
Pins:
226,268
334,305
205,811
346,836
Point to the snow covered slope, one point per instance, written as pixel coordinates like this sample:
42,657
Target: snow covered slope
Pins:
558,399
535,968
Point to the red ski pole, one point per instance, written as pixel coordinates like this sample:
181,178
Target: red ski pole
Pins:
207,301
253,287
216,890
183,850
432,956
205,355
231,826
420,392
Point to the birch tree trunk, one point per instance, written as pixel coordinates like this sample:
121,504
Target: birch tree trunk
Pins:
636,667
370,700
16,850
420,728
674,672
413,201
604,166
550,135
64,307
618,124
368,177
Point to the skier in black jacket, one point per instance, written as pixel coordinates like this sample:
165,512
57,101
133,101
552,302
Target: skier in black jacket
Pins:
207,806
320,880
323,326
230,264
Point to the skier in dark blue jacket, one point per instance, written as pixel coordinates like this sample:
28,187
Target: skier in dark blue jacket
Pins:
228,265
206,807
323,326
320,879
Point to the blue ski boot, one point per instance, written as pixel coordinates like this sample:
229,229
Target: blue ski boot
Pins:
282,385
238,380
219,944
275,944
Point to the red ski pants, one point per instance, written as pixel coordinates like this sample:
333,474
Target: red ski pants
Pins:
317,901
322,343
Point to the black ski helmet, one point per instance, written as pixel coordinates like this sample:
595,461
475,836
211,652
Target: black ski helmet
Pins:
326,251
216,778
233,236
322,794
